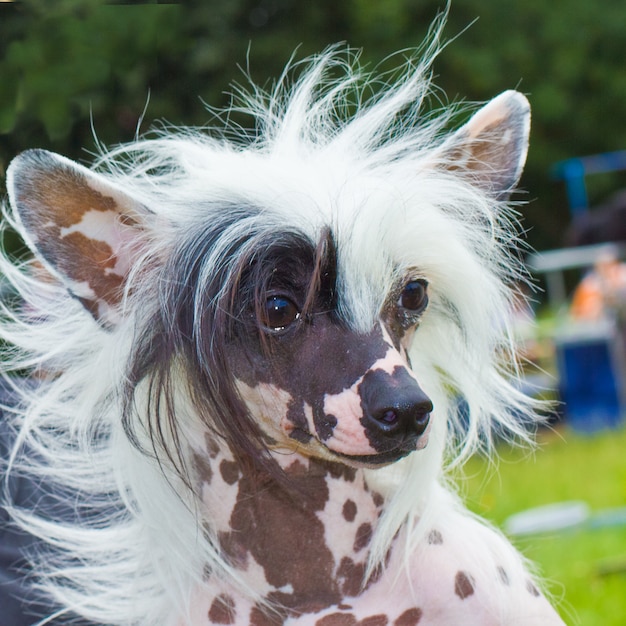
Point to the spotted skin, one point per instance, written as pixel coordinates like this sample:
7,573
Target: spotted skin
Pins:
463,585
410,617
306,549
222,610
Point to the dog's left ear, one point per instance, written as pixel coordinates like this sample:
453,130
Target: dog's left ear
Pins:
491,148
87,232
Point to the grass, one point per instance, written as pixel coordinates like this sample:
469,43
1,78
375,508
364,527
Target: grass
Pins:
585,568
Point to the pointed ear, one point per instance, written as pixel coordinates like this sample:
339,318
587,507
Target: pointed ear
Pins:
491,148
86,231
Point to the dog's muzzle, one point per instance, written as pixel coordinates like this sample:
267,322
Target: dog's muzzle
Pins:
396,410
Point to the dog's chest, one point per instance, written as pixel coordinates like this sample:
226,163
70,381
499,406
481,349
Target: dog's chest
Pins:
306,551
304,547
435,590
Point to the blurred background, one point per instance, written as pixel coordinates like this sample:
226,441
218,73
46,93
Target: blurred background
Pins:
70,69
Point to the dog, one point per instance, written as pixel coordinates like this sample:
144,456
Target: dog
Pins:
254,356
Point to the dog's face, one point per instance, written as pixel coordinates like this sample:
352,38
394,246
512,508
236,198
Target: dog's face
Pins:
319,386
273,330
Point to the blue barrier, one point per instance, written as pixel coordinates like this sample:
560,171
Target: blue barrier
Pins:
573,172
591,381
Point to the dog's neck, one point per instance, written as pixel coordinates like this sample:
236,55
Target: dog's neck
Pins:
305,541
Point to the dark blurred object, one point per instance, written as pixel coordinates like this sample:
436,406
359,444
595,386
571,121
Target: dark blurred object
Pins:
573,172
604,223
591,378
20,603
601,294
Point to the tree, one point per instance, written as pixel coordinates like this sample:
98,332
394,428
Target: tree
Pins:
73,64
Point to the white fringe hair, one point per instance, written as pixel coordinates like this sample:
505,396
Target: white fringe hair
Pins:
335,150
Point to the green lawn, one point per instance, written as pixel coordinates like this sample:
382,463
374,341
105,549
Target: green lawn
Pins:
585,567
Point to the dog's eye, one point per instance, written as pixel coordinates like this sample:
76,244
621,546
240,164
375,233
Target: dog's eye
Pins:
414,296
279,312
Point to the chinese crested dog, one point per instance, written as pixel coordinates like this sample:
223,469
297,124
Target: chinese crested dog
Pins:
253,355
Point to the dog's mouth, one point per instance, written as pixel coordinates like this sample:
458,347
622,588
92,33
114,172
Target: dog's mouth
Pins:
385,457
372,461
375,460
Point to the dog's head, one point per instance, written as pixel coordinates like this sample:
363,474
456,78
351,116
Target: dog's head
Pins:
314,382
288,295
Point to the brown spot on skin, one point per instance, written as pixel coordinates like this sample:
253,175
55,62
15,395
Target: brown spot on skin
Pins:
297,417
337,619
326,426
435,538
222,610
351,576
504,577
211,446
297,469
532,590
85,260
410,617
341,471
235,551
344,607
229,471
375,620
349,510
363,537
378,499
281,530
258,617
463,585
203,469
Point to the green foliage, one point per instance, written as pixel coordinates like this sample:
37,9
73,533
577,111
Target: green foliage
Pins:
585,567
68,63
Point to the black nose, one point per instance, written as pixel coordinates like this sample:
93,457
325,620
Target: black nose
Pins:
394,404
404,417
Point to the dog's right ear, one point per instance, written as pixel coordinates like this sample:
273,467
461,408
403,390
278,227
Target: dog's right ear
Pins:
490,150
85,230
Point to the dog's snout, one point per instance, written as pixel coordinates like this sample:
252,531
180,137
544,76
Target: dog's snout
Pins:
406,413
395,405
